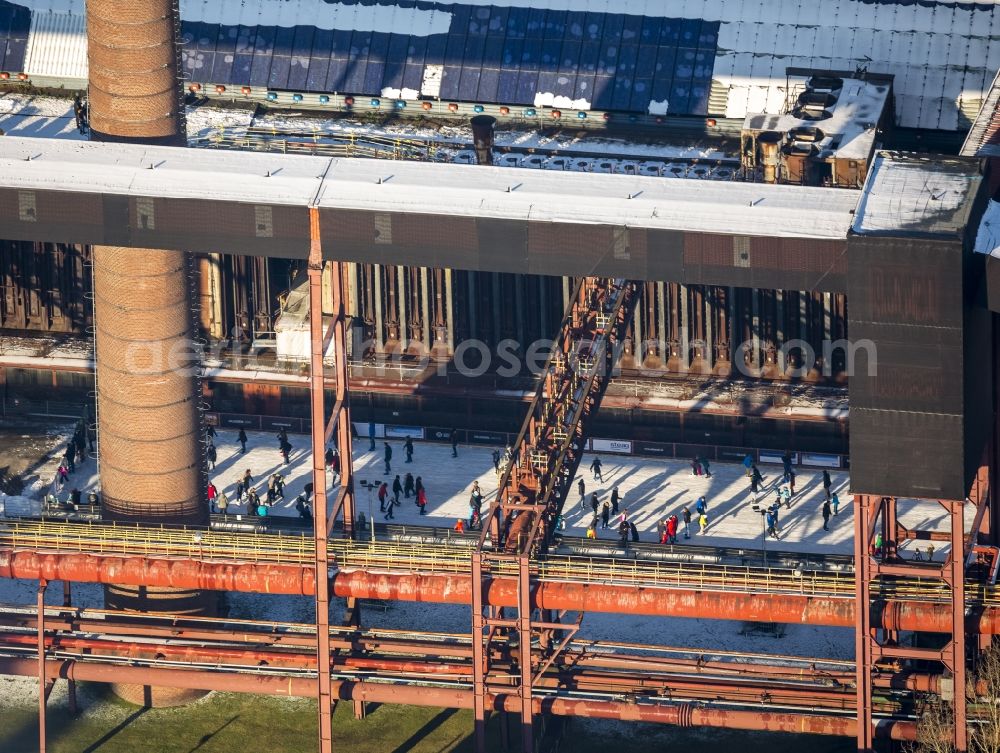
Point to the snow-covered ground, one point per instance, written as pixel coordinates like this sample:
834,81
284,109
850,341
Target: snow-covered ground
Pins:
651,490
45,117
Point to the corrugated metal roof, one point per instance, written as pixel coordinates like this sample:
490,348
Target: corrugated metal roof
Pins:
575,53
57,44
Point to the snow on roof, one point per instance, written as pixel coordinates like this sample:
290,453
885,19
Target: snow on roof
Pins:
988,236
698,206
908,194
424,188
727,57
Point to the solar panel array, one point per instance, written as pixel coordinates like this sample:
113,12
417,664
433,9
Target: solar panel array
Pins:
490,54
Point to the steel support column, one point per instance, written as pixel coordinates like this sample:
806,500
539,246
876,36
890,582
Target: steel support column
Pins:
955,659
863,622
478,654
524,629
42,682
318,417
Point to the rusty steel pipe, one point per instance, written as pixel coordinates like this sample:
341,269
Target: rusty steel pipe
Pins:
683,715
457,589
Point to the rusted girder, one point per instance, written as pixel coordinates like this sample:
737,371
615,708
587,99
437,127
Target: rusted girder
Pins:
654,601
683,715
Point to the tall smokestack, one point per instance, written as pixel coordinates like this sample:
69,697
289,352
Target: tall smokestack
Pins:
134,82
148,389
483,127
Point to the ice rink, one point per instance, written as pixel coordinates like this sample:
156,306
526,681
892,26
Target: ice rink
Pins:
651,489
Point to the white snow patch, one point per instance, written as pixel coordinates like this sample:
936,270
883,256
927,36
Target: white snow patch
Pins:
657,107
988,237
548,99
404,93
431,85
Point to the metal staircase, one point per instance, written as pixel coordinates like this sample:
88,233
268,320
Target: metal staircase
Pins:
515,649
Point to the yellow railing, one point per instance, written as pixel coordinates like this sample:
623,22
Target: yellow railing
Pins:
296,549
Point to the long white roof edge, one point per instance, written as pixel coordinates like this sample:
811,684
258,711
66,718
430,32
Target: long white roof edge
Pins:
428,188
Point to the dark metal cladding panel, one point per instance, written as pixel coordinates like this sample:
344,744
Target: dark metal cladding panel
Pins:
905,454
375,72
63,217
298,77
414,240
225,51
503,238
993,284
6,15
413,73
192,225
666,255
554,247
260,69
395,61
920,414
281,68
775,263
319,62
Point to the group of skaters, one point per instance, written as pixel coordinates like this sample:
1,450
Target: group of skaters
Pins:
74,452
246,495
388,499
606,514
784,494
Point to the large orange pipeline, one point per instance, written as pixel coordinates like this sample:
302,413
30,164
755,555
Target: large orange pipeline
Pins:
653,601
683,715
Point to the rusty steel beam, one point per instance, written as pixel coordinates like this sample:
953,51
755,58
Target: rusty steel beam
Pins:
320,511
457,589
40,638
683,715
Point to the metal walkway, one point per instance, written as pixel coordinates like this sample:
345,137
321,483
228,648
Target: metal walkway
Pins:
153,542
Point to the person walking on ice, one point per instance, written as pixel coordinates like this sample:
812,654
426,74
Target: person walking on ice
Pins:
826,514
408,448
771,519
582,488
242,439
595,467
835,503
454,443
388,458
686,517
785,497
